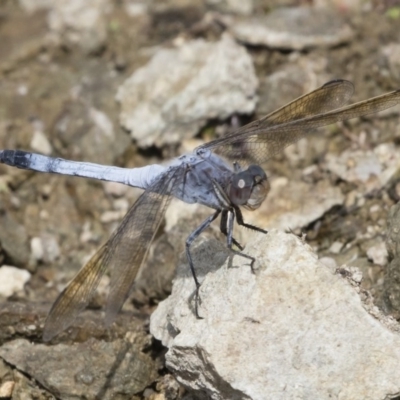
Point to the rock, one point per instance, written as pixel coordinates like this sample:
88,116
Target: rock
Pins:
294,329
12,280
115,189
291,81
40,143
24,389
372,169
6,389
14,240
391,57
45,248
87,131
335,247
295,28
378,253
180,89
80,23
94,369
391,295
232,6
32,6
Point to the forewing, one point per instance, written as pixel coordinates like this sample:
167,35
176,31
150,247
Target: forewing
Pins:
75,297
124,253
330,96
257,143
132,240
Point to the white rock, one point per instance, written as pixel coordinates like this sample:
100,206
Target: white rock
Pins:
37,248
121,205
40,143
135,9
6,389
111,216
51,248
293,330
378,253
336,247
329,262
83,23
178,210
45,248
180,89
115,189
12,280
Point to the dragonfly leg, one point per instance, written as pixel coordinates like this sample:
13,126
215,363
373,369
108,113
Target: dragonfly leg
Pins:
224,229
240,221
230,219
192,237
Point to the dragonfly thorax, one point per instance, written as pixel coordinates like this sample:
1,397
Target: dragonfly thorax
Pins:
249,188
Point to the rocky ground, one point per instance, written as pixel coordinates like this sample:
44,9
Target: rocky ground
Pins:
130,83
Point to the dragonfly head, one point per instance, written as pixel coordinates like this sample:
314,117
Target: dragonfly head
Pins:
249,188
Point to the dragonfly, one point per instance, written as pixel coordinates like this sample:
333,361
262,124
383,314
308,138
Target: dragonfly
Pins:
223,174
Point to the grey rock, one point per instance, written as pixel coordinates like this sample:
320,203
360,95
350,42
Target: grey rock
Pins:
295,28
372,169
391,295
294,329
391,54
94,369
88,132
291,81
32,6
180,89
14,240
25,390
232,6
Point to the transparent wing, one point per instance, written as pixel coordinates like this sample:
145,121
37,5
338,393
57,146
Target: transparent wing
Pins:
330,96
261,139
75,297
124,253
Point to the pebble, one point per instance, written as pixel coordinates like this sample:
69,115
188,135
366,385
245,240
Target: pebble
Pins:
12,280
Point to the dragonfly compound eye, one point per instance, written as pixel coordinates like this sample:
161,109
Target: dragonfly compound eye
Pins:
259,187
249,188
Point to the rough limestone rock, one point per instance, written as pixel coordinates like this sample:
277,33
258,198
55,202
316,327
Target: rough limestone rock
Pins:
294,329
94,369
294,28
180,89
